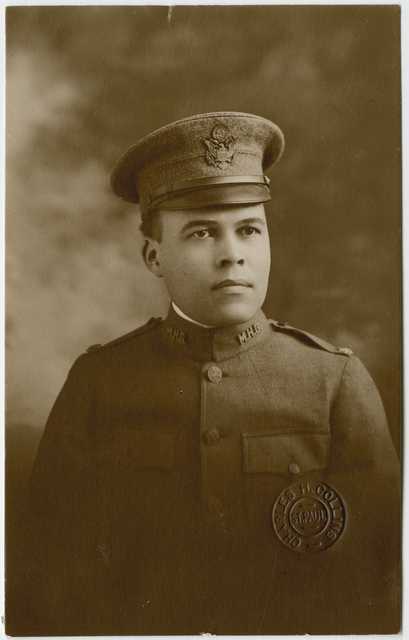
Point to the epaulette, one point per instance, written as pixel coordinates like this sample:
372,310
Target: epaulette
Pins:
309,337
153,322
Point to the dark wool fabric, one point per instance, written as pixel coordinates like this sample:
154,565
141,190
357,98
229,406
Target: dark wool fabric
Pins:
155,480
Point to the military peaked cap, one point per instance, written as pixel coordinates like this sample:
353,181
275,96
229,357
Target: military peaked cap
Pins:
204,160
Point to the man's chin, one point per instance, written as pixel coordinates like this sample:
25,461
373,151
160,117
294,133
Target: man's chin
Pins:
233,314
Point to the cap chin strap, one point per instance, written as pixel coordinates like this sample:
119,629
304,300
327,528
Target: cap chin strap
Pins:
185,186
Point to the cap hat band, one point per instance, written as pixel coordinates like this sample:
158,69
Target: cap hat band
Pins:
197,183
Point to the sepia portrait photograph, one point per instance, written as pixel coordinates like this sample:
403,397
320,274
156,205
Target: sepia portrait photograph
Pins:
203,320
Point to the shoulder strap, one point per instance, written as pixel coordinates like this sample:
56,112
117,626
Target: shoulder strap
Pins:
309,337
153,322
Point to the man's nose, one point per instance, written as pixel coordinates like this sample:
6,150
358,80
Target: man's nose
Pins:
230,252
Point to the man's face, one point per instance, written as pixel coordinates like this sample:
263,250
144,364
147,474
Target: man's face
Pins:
215,262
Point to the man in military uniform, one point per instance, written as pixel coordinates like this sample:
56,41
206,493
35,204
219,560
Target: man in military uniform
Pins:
214,471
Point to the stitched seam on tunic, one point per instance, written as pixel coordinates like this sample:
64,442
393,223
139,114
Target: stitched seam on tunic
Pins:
203,463
338,391
245,450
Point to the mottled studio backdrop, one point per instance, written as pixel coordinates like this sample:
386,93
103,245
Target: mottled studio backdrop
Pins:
83,83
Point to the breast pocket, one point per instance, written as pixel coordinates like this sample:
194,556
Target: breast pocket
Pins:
285,453
272,462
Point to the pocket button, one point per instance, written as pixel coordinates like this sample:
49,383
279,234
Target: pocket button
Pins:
294,468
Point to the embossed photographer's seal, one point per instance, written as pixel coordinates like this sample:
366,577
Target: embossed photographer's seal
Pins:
309,516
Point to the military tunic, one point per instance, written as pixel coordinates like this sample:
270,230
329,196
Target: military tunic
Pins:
159,468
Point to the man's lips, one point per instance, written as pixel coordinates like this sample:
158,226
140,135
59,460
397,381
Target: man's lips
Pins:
232,283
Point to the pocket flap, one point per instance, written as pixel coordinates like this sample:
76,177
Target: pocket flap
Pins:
271,453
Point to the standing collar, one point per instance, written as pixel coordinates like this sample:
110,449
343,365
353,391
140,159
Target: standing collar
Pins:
218,343
183,315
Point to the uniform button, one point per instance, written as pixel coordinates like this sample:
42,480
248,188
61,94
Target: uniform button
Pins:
214,374
212,436
294,468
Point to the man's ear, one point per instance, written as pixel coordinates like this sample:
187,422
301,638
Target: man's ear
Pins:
150,255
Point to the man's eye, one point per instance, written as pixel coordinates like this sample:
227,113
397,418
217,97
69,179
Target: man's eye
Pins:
201,234
249,230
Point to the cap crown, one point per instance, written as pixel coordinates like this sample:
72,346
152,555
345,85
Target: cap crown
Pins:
196,153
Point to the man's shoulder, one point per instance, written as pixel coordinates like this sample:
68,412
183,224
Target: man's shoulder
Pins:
303,353
126,338
302,338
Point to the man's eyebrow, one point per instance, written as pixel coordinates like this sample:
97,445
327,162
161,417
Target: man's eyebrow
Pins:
211,222
252,221
198,223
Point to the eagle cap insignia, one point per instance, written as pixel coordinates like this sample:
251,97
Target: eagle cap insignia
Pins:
219,147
